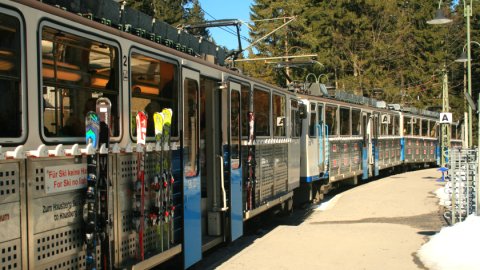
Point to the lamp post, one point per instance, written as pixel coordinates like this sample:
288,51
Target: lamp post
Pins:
463,58
441,19
467,13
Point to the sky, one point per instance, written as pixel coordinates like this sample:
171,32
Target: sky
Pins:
227,9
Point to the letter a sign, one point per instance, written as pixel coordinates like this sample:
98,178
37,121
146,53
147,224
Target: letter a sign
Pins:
445,118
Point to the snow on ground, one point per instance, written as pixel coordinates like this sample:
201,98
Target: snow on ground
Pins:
455,247
328,203
443,196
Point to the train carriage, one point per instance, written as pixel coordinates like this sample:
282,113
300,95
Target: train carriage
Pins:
238,146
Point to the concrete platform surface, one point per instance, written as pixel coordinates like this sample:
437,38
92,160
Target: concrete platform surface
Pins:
377,225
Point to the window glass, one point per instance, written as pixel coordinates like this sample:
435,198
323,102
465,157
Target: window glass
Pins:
279,115
190,125
396,123
453,131
424,127
331,119
407,126
10,77
296,122
433,130
344,121
356,128
391,125
261,108
75,72
313,120
235,129
384,124
416,127
245,109
153,89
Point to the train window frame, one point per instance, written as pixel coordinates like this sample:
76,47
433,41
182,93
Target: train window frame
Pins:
19,82
194,160
332,132
275,116
295,120
312,131
346,125
432,131
256,111
235,132
416,126
407,126
396,123
358,127
100,40
175,93
424,128
391,125
384,126
320,118
246,95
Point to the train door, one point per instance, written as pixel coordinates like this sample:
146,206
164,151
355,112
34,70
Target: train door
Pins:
234,142
375,148
367,144
321,139
192,238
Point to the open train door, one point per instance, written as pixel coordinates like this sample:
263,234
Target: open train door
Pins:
192,233
234,149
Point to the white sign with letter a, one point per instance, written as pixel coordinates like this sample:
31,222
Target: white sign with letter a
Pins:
446,118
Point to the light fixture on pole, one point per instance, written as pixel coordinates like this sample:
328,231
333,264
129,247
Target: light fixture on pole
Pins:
439,17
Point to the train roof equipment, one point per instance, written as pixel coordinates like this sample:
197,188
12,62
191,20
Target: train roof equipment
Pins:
117,15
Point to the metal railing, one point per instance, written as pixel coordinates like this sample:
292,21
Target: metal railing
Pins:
461,185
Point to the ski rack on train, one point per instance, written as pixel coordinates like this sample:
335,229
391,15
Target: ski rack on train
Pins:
116,15
351,98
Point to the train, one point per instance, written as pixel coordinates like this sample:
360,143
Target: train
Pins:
239,146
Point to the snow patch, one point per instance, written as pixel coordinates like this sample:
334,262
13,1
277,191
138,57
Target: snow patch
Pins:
454,247
328,204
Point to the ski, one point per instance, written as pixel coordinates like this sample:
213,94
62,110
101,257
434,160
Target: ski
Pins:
139,211
92,127
168,180
156,211
103,108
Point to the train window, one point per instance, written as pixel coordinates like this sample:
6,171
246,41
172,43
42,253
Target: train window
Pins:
416,127
296,122
331,119
190,124
245,109
313,120
407,126
391,125
235,128
425,127
433,130
261,108
396,125
344,121
76,70
279,114
320,114
356,127
153,88
453,129
11,93
384,124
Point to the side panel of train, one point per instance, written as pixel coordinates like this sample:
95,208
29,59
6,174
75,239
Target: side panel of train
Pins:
347,142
